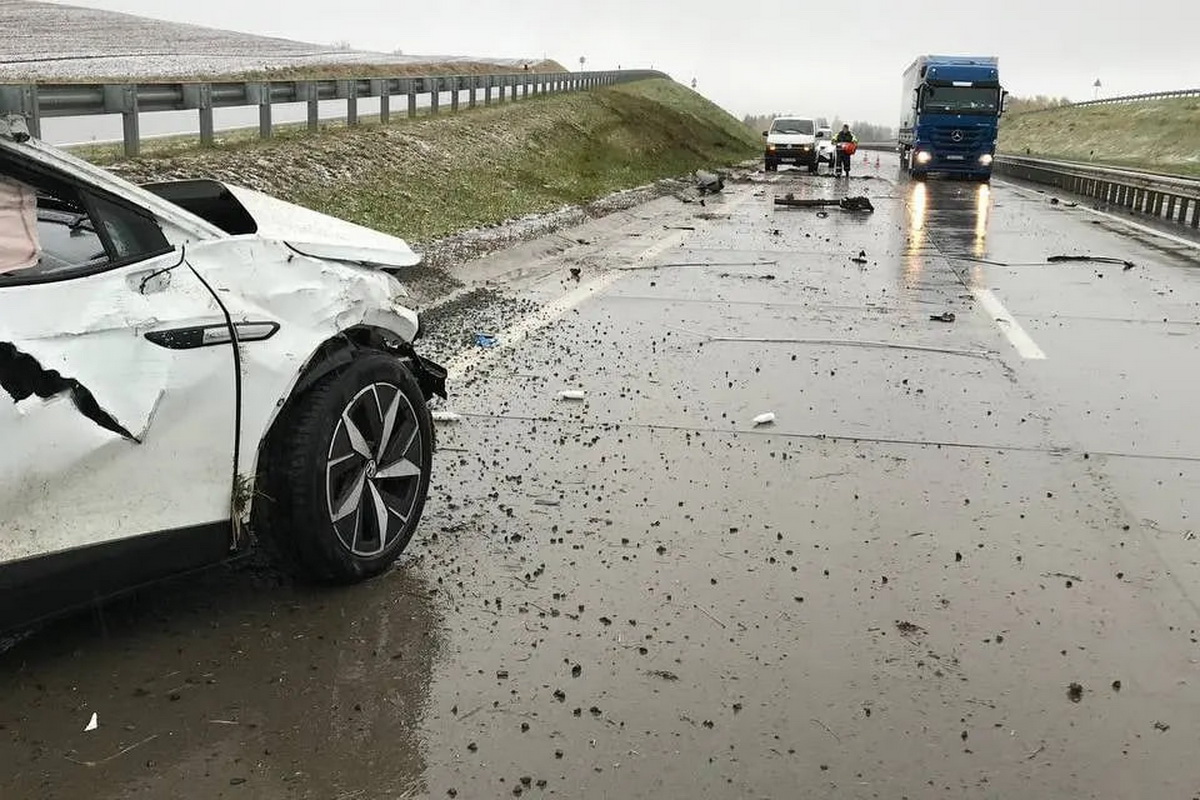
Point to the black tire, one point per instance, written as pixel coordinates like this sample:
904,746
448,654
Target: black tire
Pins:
771,166
317,470
812,168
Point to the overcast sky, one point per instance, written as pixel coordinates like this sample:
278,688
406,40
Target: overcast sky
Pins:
756,56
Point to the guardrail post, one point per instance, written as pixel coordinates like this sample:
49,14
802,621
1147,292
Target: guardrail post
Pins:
1196,213
307,92
204,102
23,100
503,87
525,86
383,90
471,97
264,110
410,87
455,86
124,99
1171,202
351,103
487,90
435,93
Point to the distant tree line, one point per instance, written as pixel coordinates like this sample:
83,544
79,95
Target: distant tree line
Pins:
865,131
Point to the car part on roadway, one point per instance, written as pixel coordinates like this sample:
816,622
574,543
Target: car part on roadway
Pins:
349,473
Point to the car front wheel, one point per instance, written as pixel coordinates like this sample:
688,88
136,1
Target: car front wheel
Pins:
349,471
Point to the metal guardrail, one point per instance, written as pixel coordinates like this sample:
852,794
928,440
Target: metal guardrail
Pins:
1165,197
1108,101
36,101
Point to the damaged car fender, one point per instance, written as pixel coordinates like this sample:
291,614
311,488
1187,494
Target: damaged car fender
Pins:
304,303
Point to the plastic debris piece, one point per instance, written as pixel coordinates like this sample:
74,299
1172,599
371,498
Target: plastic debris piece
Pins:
572,394
446,416
93,723
764,419
948,316
485,340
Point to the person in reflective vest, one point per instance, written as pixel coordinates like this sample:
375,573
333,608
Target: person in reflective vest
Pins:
846,142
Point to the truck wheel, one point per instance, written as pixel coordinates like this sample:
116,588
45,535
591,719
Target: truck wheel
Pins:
347,482
812,167
770,166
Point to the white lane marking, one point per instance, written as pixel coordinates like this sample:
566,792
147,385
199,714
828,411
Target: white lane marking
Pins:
1126,222
1012,330
516,333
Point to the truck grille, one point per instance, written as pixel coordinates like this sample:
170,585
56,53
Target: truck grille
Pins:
957,140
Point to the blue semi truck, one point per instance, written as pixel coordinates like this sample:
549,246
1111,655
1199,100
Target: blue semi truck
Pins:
950,116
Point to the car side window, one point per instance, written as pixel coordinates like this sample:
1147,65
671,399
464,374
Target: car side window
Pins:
70,231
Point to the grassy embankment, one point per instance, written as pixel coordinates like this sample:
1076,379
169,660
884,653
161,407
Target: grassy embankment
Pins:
1155,135
432,176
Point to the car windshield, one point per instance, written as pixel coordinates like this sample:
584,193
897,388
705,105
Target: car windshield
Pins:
961,100
804,126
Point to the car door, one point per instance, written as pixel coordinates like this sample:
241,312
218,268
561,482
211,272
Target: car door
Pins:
117,403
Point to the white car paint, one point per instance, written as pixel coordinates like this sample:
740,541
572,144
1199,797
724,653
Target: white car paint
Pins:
322,236
66,482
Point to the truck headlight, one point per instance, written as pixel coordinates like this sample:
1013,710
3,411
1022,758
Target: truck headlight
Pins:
770,148
986,159
924,157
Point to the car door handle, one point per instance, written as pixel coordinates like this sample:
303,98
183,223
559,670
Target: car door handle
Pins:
196,336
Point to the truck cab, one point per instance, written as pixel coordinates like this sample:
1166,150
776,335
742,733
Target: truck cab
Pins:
950,116
791,140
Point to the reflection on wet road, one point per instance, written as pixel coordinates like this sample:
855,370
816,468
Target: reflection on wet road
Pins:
947,570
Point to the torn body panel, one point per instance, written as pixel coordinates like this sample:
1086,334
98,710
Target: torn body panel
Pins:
95,419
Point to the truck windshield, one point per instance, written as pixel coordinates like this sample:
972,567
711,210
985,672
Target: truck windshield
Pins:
804,126
961,100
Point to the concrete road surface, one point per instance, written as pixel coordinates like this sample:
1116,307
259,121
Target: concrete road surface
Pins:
960,563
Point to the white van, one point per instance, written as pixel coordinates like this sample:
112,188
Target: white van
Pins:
791,140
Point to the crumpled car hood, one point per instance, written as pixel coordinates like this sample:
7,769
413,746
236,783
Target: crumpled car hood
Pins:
240,211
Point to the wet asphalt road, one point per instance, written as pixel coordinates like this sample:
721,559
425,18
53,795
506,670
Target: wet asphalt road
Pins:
888,593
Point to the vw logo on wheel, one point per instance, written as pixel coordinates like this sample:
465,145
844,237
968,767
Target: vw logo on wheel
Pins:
957,136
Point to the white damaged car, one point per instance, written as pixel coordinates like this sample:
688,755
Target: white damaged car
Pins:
187,363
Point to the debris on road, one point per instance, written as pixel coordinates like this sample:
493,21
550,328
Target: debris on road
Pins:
709,182
576,273
1075,692
664,674
572,394
446,416
485,340
859,203
1162,726
93,723
947,316
861,258
909,628
764,419
1128,265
